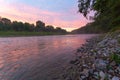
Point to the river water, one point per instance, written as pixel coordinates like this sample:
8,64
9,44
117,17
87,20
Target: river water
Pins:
37,58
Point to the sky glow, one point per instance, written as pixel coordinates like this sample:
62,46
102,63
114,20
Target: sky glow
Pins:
59,13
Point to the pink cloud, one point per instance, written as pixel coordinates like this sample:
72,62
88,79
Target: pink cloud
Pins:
25,13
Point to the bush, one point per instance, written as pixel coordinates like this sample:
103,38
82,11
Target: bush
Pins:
115,57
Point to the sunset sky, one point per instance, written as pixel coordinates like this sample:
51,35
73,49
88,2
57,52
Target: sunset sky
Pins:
60,13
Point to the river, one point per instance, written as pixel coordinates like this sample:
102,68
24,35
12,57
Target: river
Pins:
37,58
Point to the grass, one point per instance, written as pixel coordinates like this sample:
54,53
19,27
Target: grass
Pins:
115,57
13,33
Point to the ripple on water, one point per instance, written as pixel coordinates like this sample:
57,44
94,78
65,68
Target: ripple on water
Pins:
37,58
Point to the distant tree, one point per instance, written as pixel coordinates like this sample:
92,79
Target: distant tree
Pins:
1,25
32,27
40,26
17,26
28,27
6,21
7,25
60,30
0,18
49,28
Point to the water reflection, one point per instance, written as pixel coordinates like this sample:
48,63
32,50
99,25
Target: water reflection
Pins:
34,58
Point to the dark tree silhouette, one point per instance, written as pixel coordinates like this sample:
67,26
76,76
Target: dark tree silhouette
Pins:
40,26
7,25
49,28
107,13
6,21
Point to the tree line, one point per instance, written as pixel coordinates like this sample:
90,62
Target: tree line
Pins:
107,14
8,25
89,28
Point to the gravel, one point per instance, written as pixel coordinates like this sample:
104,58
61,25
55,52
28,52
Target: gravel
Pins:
98,59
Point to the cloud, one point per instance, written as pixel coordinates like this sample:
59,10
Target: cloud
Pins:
26,13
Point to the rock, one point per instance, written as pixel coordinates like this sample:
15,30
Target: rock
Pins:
91,71
93,61
118,68
115,78
119,36
114,41
86,72
85,65
105,54
111,71
109,77
83,77
113,63
102,75
100,64
96,75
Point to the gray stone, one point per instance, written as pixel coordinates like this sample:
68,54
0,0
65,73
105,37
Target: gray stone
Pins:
83,77
100,64
86,72
114,41
115,78
102,75
113,63
96,75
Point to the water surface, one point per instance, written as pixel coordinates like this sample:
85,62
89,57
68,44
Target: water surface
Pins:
37,58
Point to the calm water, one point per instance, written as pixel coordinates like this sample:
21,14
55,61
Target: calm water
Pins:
37,58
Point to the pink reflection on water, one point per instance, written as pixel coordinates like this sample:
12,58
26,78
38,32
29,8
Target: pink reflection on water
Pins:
1,62
23,55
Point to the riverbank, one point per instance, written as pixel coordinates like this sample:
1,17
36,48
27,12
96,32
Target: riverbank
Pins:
98,59
14,33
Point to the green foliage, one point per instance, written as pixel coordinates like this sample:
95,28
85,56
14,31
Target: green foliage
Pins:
7,25
85,6
107,14
89,28
115,57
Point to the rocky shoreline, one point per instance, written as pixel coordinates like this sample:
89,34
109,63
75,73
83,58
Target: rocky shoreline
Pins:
98,59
